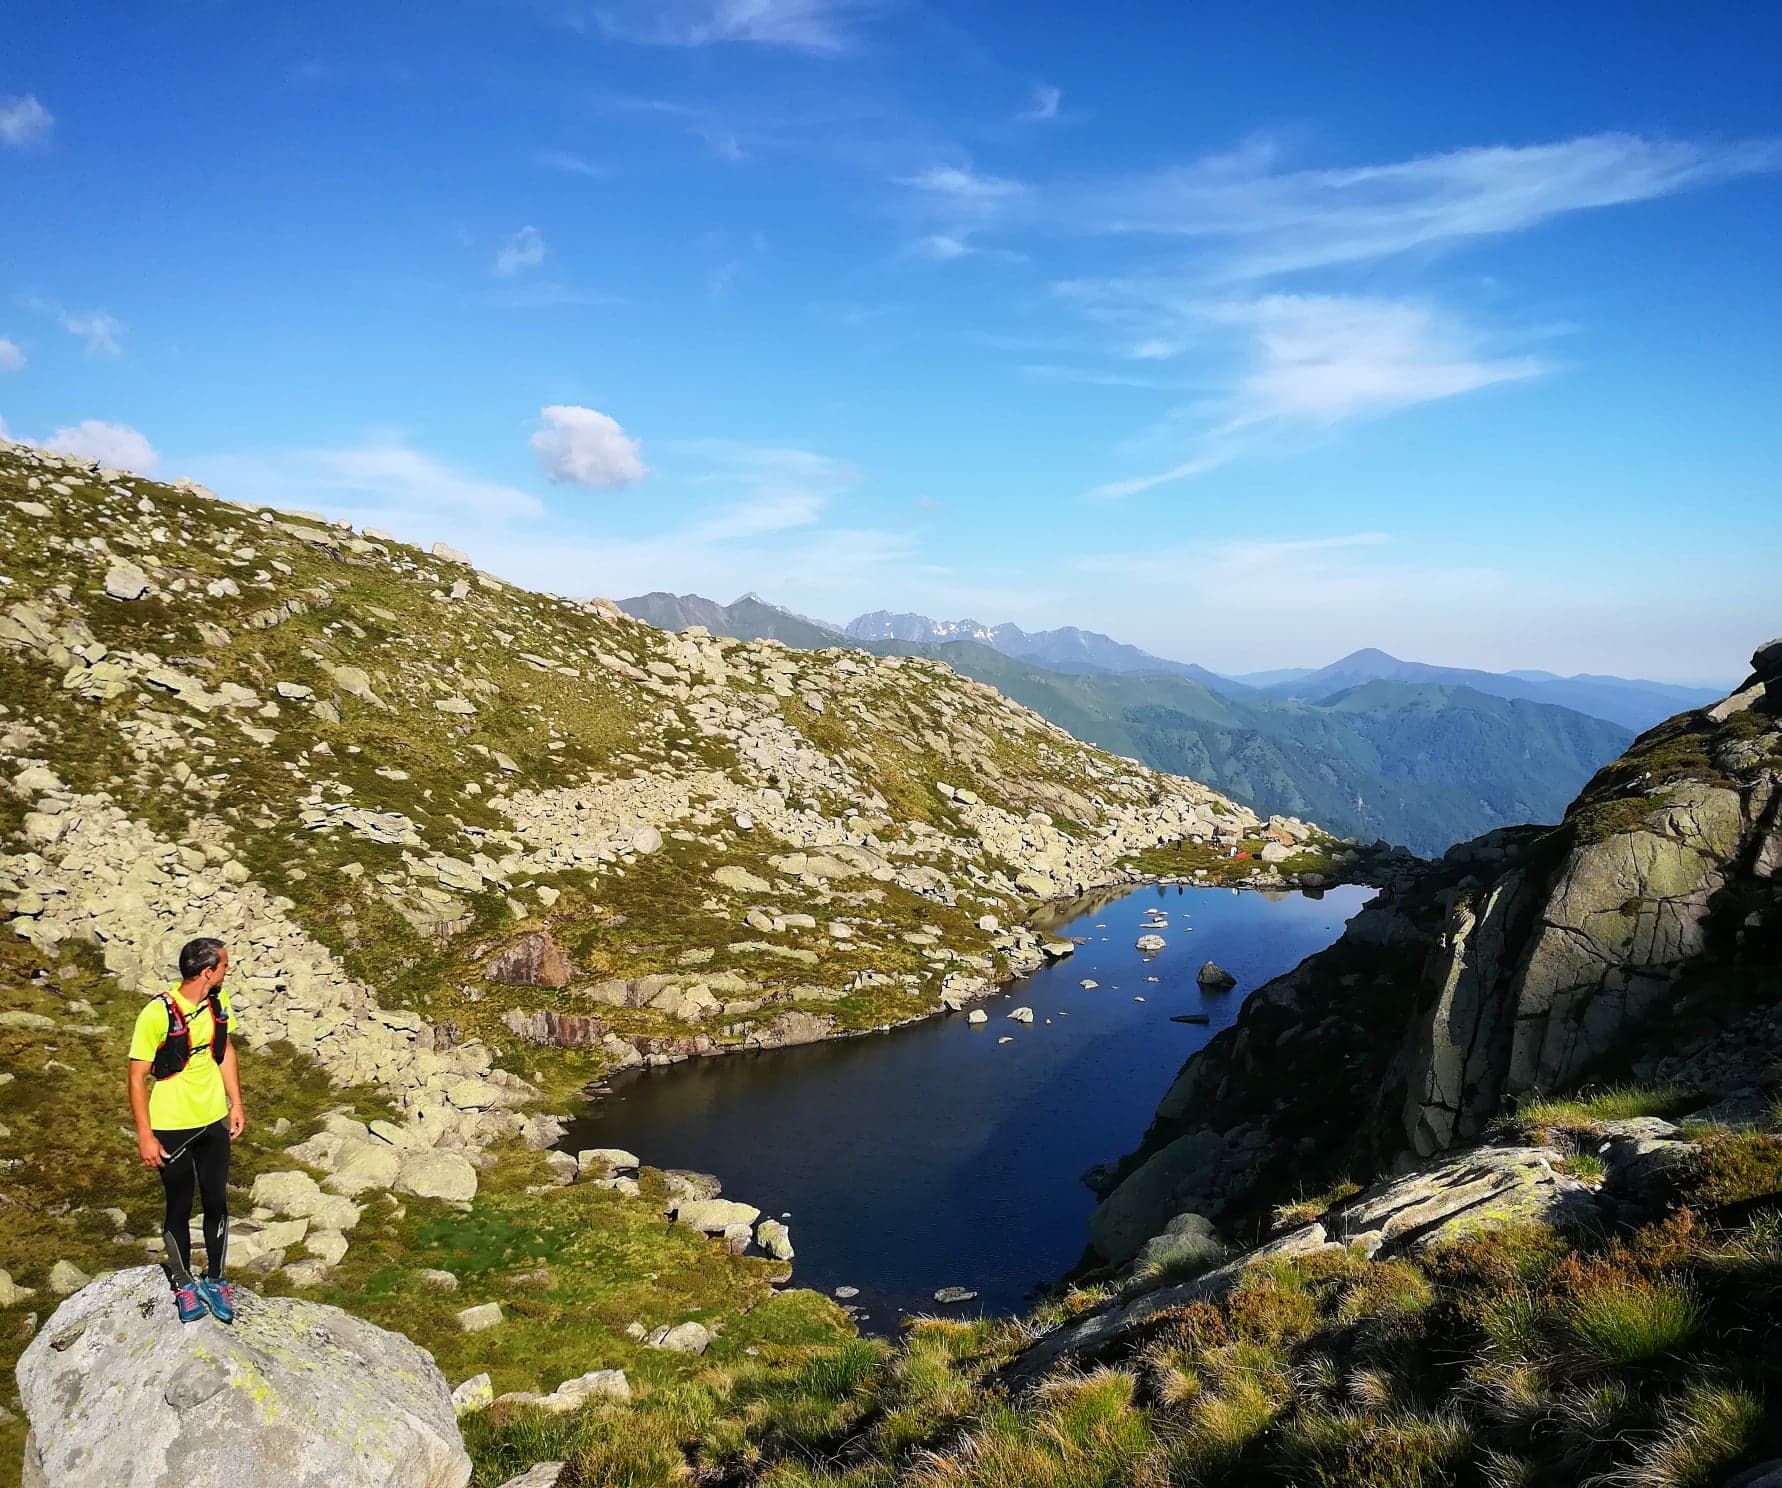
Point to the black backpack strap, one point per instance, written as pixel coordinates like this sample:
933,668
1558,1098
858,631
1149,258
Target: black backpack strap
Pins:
219,1037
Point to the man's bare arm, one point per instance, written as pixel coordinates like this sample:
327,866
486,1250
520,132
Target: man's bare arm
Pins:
148,1146
232,1084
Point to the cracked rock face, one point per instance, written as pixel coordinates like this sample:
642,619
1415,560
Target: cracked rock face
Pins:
1546,974
295,1393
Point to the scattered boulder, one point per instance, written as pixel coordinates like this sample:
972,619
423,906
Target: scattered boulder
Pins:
430,1174
714,1216
124,580
775,1238
949,1295
534,960
475,1394
682,1338
568,1396
1151,944
539,1475
1021,1015
65,1278
476,1319
294,1393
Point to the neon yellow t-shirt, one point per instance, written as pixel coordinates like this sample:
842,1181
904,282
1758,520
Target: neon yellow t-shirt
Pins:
195,1096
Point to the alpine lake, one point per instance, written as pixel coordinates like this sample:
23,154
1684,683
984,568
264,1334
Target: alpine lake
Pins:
951,1154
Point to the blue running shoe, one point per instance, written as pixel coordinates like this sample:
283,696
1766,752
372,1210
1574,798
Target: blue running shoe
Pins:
219,1297
187,1303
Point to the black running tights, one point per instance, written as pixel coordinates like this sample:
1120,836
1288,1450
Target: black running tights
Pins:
202,1165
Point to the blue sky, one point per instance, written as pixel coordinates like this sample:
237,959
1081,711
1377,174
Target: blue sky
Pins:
1248,334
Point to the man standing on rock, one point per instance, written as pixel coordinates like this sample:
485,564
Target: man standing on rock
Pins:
185,1123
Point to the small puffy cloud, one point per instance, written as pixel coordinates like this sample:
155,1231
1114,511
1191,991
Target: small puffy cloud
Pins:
24,122
12,355
524,250
110,444
584,447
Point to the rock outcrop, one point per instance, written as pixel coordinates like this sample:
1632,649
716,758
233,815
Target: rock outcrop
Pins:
118,1392
1640,938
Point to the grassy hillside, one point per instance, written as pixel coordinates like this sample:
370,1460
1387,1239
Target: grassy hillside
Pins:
1414,763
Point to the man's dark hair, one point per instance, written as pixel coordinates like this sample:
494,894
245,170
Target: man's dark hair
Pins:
199,955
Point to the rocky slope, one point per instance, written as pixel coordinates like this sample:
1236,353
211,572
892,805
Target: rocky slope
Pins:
495,804
1641,938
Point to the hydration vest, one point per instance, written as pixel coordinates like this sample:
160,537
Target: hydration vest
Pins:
175,1052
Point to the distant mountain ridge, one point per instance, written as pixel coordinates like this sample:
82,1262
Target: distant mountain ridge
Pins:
1067,649
1631,702
1369,745
750,618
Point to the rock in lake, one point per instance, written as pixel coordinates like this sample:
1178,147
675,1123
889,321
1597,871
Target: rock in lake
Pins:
294,1393
1150,944
1021,1015
1215,977
952,1294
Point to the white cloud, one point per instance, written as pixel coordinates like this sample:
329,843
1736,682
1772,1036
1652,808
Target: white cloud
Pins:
1043,105
772,489
941,247
380,483
571,165
1310,361
584,447
12,355
24,122
104,334
1277,220
110,444
1323,358
959,183
821,26
523,251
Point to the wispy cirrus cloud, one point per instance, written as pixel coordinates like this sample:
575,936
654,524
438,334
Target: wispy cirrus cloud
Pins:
102,333
383,481
570,164
1264,218
824,27
956,205
1303,363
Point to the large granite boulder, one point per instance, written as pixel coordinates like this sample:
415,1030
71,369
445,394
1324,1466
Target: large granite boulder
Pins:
118,1391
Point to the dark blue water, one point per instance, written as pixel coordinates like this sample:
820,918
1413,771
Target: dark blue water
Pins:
934,1156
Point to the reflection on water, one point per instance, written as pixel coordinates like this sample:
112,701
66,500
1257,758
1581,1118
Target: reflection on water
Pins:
935,1155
